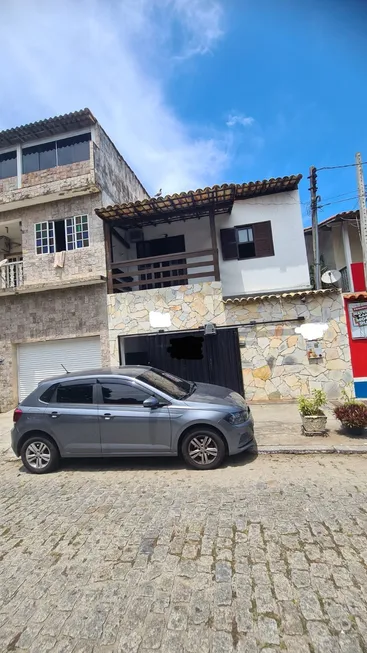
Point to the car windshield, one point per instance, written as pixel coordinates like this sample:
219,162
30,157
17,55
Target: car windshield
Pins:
168,383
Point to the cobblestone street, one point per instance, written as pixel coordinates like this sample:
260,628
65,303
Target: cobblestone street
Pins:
266,554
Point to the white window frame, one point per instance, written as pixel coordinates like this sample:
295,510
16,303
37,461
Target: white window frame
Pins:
249,231
74,232
50,225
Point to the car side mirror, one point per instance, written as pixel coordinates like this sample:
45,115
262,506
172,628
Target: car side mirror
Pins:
151,402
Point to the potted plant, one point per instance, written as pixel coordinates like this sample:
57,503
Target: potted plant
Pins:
352,414
313,418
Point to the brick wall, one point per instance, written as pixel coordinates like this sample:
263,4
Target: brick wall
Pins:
47,316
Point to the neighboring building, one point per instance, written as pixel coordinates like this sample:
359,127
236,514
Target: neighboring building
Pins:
340,249
232,256
53,173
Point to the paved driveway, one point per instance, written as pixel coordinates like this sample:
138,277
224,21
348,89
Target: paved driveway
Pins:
266,554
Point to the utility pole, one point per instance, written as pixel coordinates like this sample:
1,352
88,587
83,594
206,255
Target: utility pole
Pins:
315,227
362,210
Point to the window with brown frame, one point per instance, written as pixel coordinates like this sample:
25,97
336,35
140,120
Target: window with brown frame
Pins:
247,241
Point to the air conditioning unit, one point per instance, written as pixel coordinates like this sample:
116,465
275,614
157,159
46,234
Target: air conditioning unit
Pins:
4,244
136,235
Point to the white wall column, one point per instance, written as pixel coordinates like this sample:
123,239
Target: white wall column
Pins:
347,254
19,166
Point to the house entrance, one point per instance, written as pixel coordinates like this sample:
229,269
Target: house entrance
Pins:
191,355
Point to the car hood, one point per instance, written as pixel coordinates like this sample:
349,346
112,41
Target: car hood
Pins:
206,393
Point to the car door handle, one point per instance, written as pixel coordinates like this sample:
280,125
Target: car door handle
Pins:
54,415
107,416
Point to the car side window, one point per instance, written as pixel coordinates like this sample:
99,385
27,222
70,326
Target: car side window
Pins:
123,394
74,393
46,397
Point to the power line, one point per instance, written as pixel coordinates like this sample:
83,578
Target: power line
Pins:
347,199
347,165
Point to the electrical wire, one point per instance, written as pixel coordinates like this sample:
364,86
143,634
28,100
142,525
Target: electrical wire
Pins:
347,165
347,199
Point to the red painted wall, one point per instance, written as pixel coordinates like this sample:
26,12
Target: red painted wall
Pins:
358,348
359,282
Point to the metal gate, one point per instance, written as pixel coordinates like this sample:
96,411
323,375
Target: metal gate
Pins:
198,357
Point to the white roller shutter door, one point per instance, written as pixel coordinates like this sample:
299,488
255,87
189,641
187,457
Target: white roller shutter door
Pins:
40,360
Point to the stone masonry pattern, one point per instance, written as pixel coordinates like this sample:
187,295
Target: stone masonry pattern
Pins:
273,357
68,313
266,555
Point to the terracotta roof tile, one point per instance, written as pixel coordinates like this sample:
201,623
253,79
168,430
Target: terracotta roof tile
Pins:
193,203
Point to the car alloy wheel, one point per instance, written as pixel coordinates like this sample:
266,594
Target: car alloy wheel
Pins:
202,449
38,455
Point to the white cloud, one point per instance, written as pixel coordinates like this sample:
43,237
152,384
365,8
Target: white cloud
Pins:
238,119
115,57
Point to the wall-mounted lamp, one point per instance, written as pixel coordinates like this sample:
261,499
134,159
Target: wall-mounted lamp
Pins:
210,329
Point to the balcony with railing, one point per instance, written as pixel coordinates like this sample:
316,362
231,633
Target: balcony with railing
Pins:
11,275
176,269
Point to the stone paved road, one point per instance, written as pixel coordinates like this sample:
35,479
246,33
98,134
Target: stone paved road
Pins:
268,554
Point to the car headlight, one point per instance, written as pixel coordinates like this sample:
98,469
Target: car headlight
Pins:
239,417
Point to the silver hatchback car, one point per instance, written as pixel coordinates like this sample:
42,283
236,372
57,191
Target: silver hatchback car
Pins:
129,411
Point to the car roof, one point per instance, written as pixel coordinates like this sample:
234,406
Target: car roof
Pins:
125,370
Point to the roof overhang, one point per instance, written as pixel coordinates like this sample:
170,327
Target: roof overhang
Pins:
192,204
334,219
281,295
46,128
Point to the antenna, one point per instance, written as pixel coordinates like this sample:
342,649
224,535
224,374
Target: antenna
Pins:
331,276
67,371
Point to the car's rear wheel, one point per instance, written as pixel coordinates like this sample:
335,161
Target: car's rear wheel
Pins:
39,454
203,448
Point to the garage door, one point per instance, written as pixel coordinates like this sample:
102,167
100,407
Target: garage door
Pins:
40,360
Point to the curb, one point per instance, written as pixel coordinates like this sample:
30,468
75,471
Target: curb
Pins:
302,450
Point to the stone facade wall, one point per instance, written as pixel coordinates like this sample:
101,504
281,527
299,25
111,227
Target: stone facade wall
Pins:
62,179
87,261
58,174
189,307
47,315
112,174
273,357
7,185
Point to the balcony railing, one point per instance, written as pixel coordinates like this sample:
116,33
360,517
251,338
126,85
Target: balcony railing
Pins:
163,271
11,275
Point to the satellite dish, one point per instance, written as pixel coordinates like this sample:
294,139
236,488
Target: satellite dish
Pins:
331,276
3,262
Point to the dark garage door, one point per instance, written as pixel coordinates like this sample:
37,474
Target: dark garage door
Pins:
191,355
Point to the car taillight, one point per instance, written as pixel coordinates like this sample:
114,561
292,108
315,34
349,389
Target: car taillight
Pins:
17,415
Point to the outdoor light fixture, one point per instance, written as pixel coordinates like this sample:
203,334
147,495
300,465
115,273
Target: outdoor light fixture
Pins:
210,329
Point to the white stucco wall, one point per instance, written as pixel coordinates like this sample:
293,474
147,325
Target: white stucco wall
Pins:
288,268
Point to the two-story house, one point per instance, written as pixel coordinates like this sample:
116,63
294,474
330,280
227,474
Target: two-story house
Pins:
214,285
53,173
340,249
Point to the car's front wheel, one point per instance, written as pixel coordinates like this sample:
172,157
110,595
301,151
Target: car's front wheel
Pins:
39,454
203,448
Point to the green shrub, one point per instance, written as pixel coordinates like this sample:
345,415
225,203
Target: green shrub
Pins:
312,405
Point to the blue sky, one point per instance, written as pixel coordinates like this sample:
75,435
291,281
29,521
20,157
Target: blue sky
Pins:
197,92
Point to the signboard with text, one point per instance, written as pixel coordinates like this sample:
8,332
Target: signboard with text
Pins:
358,320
